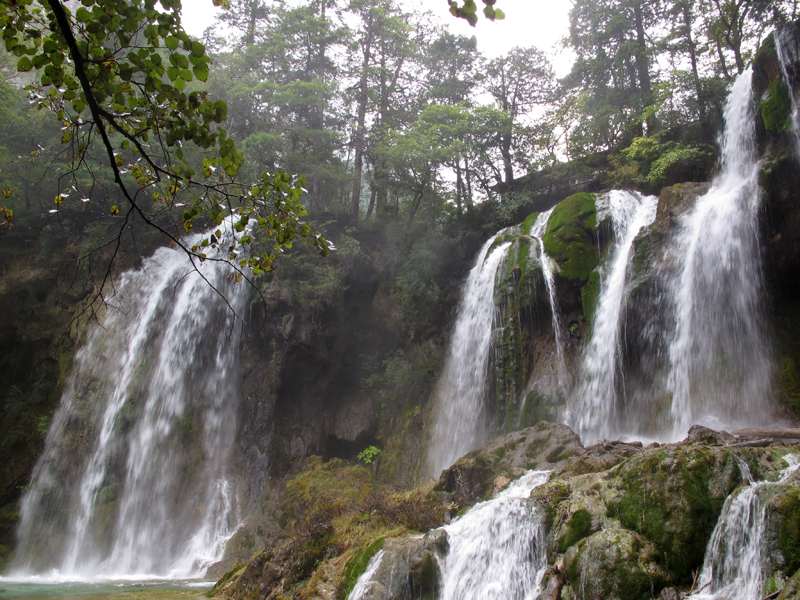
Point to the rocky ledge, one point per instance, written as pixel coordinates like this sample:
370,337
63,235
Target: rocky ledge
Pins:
623,521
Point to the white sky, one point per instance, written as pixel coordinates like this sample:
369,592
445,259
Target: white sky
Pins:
540,23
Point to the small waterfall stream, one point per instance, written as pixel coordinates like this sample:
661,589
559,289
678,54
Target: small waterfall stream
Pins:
593,411
459,420
133,481
720,361
734,562
498,549
537,232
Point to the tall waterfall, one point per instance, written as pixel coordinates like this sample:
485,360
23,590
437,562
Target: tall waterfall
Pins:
133,480
593,410
720,361
459,419
735,556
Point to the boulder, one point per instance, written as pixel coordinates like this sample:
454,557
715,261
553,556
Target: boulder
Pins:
545,446
616,564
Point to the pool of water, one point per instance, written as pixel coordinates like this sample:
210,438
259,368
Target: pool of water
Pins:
105,590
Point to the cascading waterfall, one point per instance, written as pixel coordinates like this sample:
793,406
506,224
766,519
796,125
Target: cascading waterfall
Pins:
498,550
537,232
734,563
593,408
459,420
720,361
134,478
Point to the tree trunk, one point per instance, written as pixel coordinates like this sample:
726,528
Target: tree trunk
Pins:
687,23
360,136
643,70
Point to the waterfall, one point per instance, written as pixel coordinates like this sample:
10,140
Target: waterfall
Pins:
735,557
364,584
133,480
459,413
720,362
593,408
498,549
537,232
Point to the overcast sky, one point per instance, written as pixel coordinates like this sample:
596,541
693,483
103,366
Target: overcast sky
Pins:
540,23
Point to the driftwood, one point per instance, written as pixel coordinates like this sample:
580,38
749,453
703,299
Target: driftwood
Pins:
768,432
752,444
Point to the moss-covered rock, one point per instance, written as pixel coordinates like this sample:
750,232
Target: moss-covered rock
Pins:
569,239
590,294
776,108
616,564
674,496
545,446
791,590
786,507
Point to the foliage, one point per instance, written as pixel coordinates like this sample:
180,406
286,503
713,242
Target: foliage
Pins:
369,454
469,11
649,162
119,76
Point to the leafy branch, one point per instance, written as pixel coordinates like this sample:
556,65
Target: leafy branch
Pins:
116,72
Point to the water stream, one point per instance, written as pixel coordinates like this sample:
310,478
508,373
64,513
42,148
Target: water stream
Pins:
593,410
537,232
134,479
720,360
498,549
459,419
734,564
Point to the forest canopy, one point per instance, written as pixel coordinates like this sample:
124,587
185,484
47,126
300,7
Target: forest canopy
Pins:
365,109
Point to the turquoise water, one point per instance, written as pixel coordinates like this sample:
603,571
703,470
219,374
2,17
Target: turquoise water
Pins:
105,590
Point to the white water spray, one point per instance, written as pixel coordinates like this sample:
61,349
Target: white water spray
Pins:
720,361
593,410
133,480
459,419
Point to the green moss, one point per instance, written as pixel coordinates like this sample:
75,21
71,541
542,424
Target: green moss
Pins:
527,224
776,108
579,527
536,408
569,236
590,294
788,388
789,529
358,564
667,498
425,579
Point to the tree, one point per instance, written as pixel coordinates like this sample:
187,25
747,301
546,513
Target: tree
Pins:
518,81
612,71
119,74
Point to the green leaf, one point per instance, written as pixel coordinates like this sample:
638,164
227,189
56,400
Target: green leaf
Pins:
172,43
24,64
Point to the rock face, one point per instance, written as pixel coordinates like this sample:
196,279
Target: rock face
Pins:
780,180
